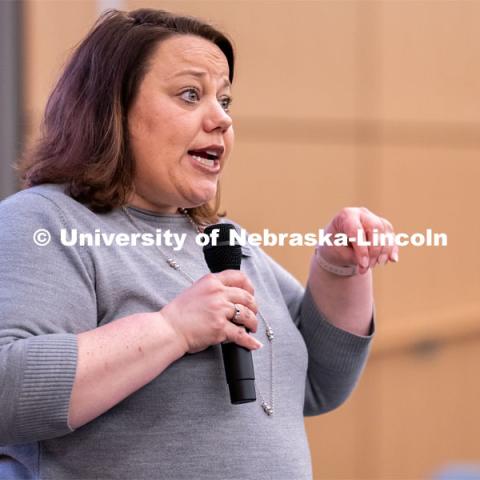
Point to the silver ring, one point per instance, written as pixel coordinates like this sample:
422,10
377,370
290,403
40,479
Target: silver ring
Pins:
236,316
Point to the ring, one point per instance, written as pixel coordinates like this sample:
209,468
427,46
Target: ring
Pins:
237,312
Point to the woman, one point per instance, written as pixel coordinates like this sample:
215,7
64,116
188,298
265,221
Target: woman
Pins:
110,359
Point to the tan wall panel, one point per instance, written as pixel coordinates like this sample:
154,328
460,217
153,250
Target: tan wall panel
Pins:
411,414
52,29
333,443
295,59
430,69
427,411
344,442
430,188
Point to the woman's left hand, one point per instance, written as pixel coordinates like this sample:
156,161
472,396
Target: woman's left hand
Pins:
349,221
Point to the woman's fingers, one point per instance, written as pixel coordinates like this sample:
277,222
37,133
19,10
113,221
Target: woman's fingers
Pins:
235,278
371,224
373,228
238,291
240,336
388,249
238,295
393,251
244,317
350,225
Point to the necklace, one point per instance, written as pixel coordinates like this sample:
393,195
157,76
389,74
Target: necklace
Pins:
172,263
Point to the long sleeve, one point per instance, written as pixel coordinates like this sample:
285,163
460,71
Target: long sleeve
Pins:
336,357
47,295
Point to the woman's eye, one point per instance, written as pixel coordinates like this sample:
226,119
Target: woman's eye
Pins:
190,95
226,102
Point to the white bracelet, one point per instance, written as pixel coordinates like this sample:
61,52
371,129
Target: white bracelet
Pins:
349,271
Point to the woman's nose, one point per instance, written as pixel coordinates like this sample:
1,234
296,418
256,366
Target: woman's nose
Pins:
217,118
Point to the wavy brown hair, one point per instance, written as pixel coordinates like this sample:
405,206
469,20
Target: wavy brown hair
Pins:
84,141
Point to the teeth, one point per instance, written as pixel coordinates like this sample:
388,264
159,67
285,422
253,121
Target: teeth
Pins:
211,152
204,161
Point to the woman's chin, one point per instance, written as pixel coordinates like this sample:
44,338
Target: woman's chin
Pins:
200,197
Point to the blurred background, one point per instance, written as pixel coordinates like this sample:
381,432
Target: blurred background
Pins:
337,103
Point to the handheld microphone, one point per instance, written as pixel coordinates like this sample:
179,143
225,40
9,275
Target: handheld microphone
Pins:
237,360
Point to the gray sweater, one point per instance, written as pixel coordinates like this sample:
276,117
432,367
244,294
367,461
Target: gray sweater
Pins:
182,424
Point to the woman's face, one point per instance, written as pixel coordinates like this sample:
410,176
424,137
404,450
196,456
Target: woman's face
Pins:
179,116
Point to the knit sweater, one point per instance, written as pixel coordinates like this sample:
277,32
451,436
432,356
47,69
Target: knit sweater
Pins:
181,425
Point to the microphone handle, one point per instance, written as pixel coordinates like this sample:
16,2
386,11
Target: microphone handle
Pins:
238,364
237,360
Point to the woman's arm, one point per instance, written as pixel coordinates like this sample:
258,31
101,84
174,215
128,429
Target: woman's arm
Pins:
120,357
336,357
47,297
334,314
347,302
117,359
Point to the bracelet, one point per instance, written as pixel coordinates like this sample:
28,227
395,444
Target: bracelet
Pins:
349,271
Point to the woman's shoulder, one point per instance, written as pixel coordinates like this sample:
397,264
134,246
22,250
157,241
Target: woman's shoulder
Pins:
44,200
45,206
37,196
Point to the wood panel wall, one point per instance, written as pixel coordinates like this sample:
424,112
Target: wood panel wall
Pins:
372,103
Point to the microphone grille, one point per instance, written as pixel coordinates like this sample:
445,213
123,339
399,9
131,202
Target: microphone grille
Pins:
221,255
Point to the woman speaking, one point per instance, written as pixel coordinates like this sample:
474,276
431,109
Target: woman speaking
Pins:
110,356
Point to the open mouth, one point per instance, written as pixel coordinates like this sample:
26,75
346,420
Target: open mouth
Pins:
204,160
209,158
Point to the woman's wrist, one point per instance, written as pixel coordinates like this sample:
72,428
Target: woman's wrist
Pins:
338,270
168,331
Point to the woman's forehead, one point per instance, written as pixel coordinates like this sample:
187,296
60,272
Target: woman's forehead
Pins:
185,54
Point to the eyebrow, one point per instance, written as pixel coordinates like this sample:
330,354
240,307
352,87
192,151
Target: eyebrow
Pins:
199,74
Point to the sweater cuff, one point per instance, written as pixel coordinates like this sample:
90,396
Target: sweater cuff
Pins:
46,388
330,346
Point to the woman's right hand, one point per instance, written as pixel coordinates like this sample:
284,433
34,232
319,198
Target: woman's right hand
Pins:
202,314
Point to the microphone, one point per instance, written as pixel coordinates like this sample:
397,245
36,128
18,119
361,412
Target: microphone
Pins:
237,360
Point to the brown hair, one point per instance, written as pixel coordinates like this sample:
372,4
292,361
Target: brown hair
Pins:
84,133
